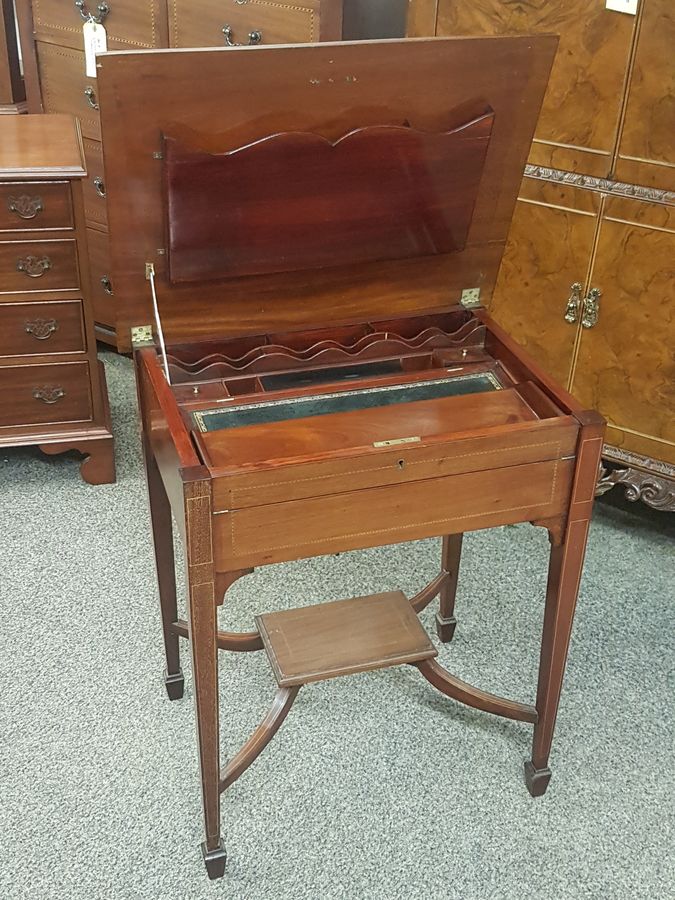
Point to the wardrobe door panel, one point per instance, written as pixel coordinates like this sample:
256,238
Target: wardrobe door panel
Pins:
647,145
626,361
548,251
579,119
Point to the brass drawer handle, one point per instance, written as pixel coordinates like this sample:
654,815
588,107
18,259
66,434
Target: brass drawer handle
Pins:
107,285
254,37
573,304
90,95
49,394
99,186
102,11
591,312
34,266
24,206
41,329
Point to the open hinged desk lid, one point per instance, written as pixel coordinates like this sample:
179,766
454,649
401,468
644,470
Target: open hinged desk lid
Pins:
277,188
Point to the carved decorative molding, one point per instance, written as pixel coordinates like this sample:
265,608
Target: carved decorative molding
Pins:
544,173
635,461
655,491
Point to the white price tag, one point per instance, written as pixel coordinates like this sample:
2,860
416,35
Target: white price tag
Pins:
624,6
95,41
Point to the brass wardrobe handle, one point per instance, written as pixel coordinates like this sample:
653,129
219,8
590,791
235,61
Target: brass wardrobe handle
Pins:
90,95
49,394
41,329
34,266
107,285
254,37
24,206
102,10
573,303
591,313
99,186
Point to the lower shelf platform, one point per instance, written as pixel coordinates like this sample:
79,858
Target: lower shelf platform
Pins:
344,637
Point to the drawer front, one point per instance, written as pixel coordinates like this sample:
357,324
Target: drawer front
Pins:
66,88
255,21
102,297
94,185
27,266
402,464
39,395
54,327
30,205
127,24
385,515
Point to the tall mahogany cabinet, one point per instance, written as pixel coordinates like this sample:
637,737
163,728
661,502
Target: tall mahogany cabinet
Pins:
56,80
587,283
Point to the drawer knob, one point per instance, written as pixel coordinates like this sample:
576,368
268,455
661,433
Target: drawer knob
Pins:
102,11
107,285
90,95
254,37
24,206
41,329
34,266
99,186
49,394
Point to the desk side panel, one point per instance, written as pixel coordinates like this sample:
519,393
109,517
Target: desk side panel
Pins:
163,430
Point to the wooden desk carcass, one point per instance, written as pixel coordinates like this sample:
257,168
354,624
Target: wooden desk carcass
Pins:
301,238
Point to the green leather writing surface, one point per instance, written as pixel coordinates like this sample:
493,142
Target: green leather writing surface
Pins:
240,415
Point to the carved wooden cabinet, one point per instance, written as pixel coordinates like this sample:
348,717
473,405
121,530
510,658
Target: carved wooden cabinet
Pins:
56,81
52,387
587,282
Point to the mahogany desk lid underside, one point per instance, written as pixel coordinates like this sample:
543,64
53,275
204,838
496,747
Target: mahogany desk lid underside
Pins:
216,101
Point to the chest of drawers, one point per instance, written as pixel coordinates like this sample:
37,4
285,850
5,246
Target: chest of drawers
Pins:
52,387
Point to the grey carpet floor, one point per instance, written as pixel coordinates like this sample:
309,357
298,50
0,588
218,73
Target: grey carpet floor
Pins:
376,786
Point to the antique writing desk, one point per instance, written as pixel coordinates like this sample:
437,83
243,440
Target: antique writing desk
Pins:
301,238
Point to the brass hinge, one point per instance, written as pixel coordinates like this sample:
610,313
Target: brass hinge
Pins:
141,336
470,298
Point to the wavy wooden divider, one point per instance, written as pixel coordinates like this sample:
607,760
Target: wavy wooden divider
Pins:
295,201
371,341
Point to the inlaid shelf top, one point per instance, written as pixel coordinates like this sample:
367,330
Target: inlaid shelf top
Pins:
343,637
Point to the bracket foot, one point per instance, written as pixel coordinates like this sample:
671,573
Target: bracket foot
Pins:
445,628
536,779
175,684
215,860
